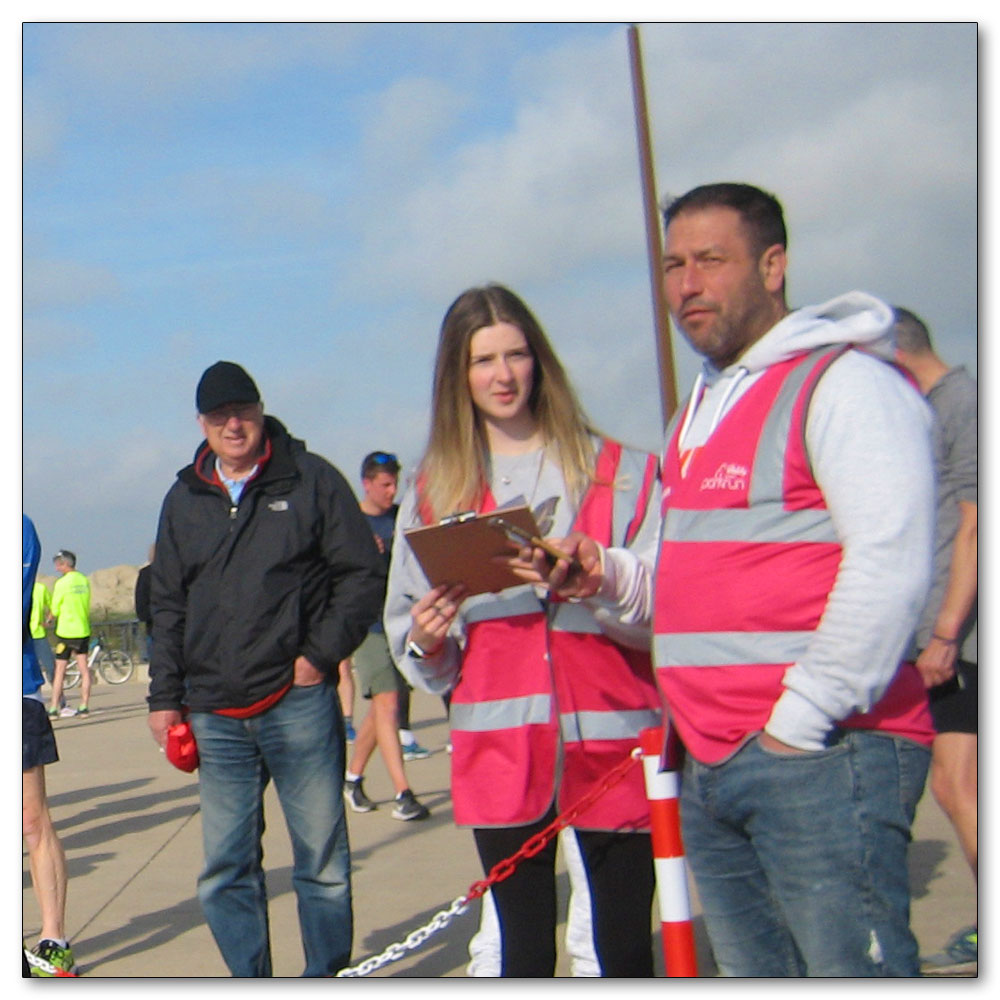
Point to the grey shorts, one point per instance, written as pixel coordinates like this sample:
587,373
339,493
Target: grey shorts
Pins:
377,673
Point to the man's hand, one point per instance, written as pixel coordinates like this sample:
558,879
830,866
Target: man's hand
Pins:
160,721
936,662
773,745
306,674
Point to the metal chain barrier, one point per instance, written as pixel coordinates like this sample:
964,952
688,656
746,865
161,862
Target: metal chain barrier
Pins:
500,871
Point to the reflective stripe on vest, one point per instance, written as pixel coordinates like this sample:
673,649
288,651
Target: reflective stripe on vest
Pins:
505,713
623,725
728,649
564,616
509,713
507,604
769,522
767,480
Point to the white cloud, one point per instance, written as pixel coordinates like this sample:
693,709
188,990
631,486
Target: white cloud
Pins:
405,121
551,192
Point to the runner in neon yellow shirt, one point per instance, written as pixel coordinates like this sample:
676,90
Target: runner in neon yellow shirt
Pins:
71,610
41,614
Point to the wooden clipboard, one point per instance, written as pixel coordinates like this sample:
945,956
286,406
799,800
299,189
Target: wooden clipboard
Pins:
459,549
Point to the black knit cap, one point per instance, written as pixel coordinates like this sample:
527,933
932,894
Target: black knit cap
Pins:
225,382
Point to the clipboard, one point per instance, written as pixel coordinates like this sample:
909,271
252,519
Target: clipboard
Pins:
459,548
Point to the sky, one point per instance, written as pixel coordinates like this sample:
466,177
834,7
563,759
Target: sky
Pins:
307,199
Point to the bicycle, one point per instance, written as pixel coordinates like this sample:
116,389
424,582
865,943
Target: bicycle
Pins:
114,665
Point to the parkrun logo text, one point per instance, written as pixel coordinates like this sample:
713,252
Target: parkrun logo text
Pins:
728,476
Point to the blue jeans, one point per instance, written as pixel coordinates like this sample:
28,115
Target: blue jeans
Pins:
300,743
800,860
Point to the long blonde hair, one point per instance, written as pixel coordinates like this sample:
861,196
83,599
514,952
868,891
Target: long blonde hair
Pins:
453,471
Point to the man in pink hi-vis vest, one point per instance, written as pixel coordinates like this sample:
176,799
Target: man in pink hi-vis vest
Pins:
794,558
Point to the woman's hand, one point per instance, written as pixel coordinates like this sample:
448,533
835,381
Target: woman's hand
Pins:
577,576
433,614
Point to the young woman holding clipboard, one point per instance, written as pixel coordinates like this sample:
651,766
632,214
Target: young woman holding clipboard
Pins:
547,696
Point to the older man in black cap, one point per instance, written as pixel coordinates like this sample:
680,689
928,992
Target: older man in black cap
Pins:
265,577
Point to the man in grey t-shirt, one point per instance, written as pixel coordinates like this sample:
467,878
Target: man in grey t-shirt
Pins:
946,641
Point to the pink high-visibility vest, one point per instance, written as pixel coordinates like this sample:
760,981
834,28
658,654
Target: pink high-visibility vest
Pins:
546,704
748,557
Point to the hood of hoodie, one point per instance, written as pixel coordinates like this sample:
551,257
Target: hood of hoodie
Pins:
853,318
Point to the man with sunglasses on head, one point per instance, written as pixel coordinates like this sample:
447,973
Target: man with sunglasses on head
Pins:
266,576
380,681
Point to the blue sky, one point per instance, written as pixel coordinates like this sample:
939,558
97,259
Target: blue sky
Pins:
307,199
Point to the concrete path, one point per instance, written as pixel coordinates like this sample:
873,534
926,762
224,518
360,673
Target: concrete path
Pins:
129,823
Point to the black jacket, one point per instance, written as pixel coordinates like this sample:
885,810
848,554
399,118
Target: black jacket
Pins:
142,608
239,592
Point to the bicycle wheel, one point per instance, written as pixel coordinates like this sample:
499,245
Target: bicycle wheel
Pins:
115,666
72,677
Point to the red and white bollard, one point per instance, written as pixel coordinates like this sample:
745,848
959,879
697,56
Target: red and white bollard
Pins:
668,859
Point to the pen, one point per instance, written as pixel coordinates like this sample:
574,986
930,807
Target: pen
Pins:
518,534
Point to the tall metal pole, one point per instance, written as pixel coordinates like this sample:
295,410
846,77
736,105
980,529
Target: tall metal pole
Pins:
654,243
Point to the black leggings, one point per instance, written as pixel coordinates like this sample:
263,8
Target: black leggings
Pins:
619,870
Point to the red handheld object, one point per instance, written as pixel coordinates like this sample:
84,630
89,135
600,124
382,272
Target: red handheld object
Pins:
182,751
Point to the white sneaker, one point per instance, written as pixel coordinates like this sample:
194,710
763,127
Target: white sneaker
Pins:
66,712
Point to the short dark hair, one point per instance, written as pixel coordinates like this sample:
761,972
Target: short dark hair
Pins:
911,332
760,211
379,461
64,555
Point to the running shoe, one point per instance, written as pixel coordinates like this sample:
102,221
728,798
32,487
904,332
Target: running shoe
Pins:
355,797
53,713
66,712
349,731
414,751
56,955
407,807
83,710
960,956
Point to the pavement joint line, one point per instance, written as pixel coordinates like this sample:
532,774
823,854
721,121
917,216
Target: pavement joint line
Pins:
170,839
